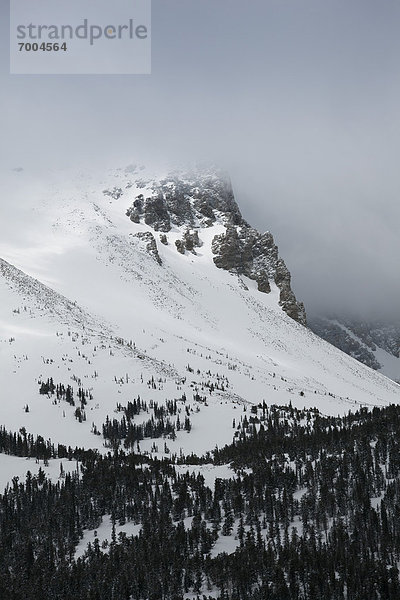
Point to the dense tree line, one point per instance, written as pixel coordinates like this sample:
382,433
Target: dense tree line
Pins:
313,513
30,446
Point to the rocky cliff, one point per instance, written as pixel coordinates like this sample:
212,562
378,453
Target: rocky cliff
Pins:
199,200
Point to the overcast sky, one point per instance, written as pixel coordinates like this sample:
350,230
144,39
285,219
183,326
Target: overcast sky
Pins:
299,99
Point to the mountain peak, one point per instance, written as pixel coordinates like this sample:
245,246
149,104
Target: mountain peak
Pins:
198,199
195,198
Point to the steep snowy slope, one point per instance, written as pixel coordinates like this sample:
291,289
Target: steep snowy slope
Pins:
175,302
374,343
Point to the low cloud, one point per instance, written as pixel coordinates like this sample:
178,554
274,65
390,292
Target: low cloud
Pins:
299,101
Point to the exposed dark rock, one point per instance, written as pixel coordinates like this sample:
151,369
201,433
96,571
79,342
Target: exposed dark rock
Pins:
138,203
287,298
180,246
134,216
136,210
206,210
177,195
191,199
150,244
198,200
263,283
156,214
246,251
215,195
230,251
164,239
191,239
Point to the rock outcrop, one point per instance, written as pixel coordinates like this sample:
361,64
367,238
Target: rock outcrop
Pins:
193,200
189,241
199,200
247,252
149,242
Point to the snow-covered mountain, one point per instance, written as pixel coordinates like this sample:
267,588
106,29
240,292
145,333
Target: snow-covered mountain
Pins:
126,283
374,343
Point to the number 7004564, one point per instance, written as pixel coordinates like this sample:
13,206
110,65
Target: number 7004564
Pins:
44,46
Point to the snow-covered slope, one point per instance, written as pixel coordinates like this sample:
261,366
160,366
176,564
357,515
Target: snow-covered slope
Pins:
374,343
122,312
